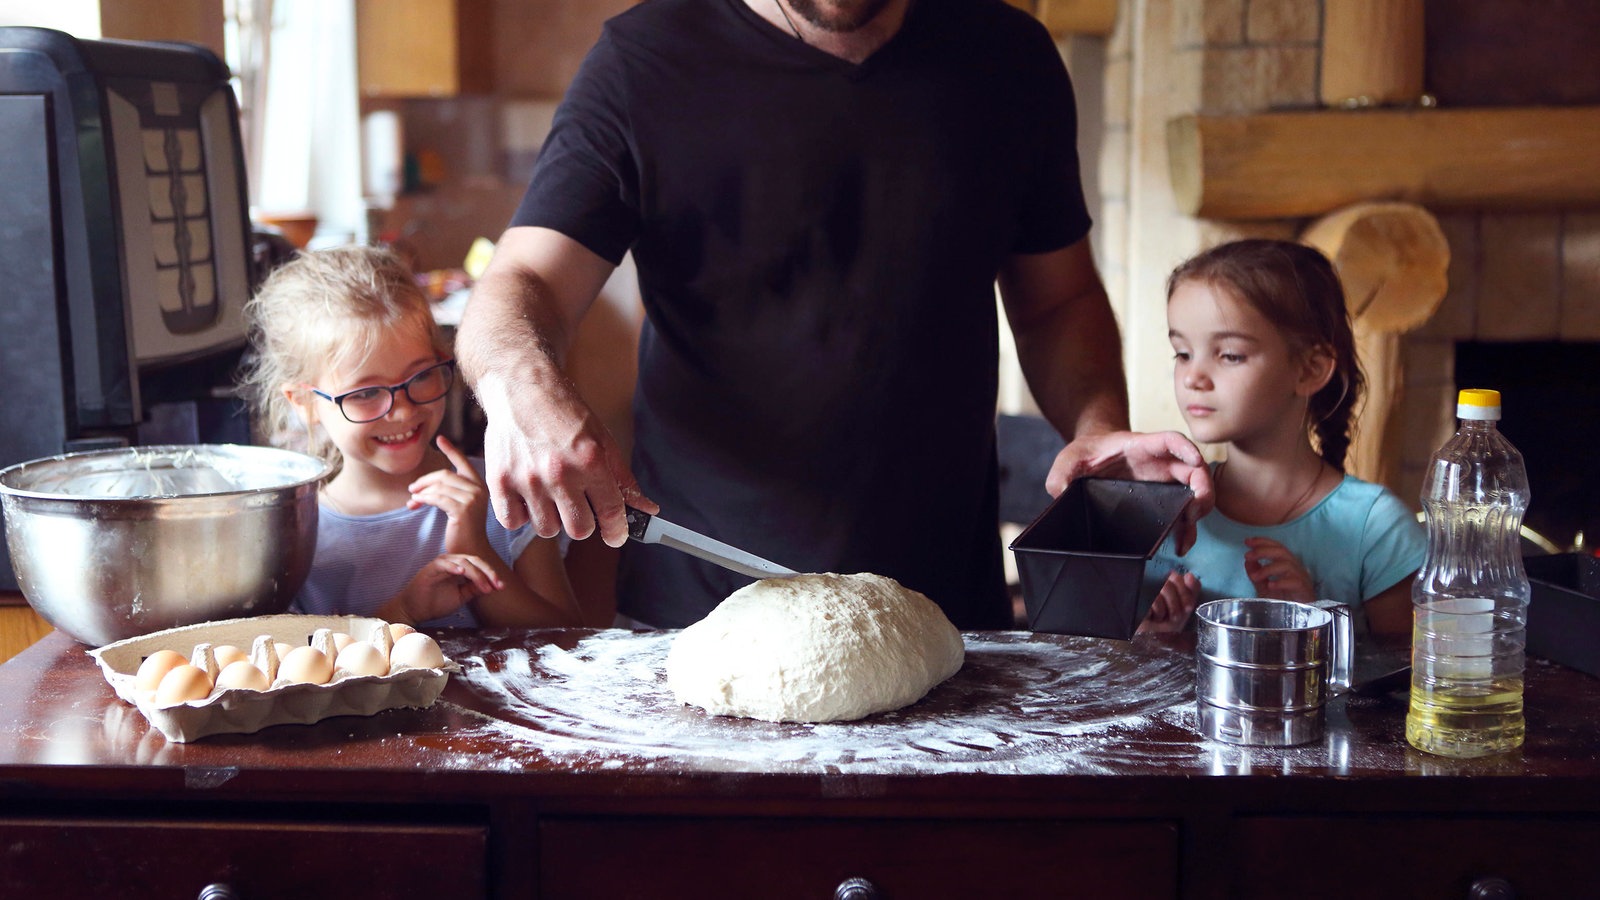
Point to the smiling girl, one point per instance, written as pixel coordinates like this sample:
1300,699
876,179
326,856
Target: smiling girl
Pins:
348,358
1265,364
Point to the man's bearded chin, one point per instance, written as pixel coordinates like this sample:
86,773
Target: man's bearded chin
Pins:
838,16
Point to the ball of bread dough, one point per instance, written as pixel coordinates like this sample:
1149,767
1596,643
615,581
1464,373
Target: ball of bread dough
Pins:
814,648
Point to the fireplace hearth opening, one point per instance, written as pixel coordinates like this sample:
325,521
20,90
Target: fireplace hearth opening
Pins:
1551,396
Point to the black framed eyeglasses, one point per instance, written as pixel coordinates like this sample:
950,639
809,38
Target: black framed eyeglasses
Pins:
369,404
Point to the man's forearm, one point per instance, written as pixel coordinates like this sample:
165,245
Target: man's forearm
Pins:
509,332
1072,360
522,314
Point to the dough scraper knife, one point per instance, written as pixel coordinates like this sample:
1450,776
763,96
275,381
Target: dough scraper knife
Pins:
648,529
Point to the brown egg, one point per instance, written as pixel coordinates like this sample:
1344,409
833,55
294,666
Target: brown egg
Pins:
183,684
362,658
242,675
155,666
398,630
226,654
415,651
341,641
305,665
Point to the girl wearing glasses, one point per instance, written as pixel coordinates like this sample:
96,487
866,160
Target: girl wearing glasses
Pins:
348,360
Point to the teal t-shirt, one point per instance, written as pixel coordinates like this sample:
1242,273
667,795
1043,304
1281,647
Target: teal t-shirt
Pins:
1357,542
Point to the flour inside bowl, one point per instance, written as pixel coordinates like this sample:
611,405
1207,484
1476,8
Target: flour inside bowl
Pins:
172,471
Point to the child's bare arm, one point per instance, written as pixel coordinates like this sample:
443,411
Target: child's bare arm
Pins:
536,593
1172,607
1389,611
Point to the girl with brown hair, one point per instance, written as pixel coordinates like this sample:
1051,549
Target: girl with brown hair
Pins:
1265,365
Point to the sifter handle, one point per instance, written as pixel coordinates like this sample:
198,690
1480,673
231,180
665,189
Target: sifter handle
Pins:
1342,653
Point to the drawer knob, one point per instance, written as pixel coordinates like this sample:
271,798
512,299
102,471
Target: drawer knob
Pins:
218,891
1491,888
857,889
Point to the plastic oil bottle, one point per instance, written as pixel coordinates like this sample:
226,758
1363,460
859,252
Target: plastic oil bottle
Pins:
1470,602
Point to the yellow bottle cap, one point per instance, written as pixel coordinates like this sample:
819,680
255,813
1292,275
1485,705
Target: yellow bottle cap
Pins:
1478,403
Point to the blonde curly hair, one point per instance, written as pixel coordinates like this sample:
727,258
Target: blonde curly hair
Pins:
325,309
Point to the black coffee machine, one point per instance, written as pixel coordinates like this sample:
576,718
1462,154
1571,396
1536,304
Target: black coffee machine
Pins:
125,244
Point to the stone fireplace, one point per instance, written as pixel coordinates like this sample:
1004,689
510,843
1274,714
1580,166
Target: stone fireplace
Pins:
1523,309
1523,232
1553,422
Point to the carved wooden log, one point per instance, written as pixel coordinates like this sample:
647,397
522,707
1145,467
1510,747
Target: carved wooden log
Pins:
1392,259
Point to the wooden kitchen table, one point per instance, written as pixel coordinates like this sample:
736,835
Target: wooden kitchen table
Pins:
556,765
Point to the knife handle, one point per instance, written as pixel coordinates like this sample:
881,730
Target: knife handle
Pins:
638,521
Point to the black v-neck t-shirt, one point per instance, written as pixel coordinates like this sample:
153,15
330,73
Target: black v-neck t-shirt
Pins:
817,244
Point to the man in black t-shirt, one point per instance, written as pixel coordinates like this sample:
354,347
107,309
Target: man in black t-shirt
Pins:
820,196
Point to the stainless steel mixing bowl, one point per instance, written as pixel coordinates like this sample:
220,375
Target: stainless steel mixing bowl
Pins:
112,544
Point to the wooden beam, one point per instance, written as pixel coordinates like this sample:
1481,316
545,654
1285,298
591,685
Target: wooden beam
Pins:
1064,18
1372,52
1287,165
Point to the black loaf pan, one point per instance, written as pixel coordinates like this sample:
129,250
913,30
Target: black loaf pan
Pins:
1564,612
1085,561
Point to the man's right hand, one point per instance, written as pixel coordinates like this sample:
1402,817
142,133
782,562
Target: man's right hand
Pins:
552,462
550,459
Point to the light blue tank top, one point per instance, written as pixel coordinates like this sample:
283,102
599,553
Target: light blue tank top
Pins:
1357,542
362,561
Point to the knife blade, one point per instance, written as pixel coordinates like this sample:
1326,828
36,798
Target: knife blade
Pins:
648,529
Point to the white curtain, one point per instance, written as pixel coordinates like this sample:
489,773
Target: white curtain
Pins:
310,133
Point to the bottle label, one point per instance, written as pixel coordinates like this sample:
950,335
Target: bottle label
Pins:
1456,636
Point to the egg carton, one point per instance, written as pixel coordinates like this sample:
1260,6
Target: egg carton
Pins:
246,712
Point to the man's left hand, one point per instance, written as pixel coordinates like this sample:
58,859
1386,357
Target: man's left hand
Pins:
1140,456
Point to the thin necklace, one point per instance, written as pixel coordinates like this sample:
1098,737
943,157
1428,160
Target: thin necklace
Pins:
786,18
1316,477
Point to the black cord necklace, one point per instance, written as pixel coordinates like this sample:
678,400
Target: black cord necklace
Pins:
785,13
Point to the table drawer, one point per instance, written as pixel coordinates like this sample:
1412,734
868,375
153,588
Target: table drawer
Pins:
810,858
1423,856
137,858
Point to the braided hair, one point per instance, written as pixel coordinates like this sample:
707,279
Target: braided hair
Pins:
1296,289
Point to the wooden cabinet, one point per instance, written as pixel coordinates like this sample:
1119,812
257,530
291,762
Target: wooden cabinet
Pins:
810,858
474,797
1423,856
176,858
197,21
424,48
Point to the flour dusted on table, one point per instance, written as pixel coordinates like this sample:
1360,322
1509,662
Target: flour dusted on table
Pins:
814,648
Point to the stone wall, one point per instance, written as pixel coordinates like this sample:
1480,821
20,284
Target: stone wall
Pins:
1513,277
1169,58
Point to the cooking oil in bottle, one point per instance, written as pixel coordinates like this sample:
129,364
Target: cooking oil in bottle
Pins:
1470,602
1466,688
